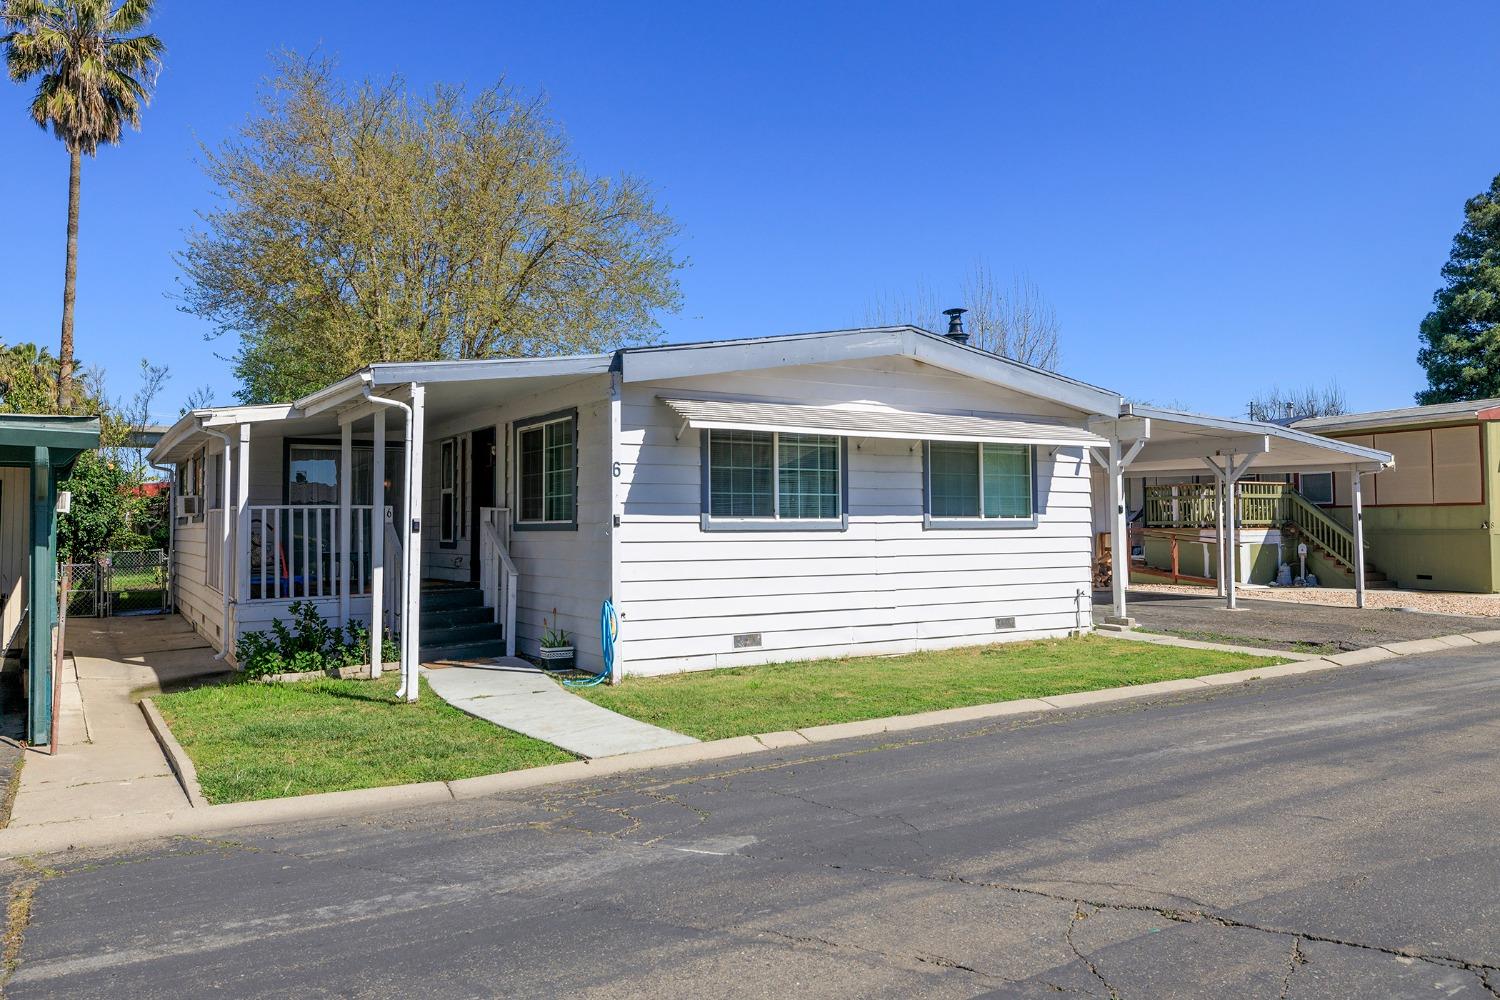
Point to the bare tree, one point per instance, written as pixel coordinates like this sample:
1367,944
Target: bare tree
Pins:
1018,323
1277,406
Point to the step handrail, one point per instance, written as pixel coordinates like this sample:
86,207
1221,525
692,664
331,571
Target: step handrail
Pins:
498,576
1328,534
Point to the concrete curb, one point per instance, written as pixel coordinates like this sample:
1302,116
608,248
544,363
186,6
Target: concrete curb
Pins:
1218,647
204,818
177,758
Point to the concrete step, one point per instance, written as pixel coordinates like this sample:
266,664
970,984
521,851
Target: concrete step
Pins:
450,617
449,598
483,649
461,633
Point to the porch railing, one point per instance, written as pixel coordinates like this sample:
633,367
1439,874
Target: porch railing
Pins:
1192,505
1195,505
498,577
293,551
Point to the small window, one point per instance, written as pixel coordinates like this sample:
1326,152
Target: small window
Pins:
547,473
447,478
1317,487
774,478
312,474
990,484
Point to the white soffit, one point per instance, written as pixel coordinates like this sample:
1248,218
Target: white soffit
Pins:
850,420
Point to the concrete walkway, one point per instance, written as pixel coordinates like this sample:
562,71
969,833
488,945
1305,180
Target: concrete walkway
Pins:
107,762
514,694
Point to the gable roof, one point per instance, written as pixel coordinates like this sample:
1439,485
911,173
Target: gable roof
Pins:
668,361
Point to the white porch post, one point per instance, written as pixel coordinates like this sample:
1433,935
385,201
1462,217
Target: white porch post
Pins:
1118,544
1219,524
377,544
411,621
1231,560
1357,513
346,511
242,556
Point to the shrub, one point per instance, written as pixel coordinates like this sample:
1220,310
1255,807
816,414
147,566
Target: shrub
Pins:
309,643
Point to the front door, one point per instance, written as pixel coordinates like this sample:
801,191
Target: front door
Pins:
482,482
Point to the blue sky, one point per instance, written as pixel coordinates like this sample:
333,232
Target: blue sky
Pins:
1215,197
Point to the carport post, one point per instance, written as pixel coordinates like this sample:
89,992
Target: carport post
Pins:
1119,546
1219,524
1357,514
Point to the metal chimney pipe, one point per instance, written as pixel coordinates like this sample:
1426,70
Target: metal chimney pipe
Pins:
956,325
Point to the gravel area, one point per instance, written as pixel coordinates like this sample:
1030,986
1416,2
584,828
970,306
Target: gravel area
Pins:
1427,601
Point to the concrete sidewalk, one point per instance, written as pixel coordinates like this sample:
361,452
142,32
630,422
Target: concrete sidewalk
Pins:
514,694
107,762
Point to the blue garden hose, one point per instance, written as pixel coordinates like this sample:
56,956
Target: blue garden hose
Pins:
609,628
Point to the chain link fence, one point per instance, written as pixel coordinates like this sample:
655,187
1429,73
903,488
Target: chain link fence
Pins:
119,583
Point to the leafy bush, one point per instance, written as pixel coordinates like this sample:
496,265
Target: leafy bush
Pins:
309,643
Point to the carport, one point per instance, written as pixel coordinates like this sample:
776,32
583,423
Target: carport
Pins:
1153,441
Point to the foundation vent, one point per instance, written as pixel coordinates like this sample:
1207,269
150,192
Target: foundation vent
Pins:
1005,624
747,640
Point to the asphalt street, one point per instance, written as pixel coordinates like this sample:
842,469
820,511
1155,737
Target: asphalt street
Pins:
1327,835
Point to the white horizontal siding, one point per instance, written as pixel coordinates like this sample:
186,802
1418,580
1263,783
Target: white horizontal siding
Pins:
884,585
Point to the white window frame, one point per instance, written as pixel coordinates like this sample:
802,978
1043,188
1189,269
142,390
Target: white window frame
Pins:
540,424
709,521
962,522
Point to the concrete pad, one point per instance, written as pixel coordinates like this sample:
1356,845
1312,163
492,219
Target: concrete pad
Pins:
1411,647
521,698
1372,655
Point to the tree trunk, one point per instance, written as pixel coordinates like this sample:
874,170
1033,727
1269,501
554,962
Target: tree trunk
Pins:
70,289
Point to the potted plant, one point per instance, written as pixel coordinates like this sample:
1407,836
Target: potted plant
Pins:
557,646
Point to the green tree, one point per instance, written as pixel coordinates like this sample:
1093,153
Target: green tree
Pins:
367,224
93,77
1461,336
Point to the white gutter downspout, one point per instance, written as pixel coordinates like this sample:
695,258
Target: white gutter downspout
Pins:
225,561
408,688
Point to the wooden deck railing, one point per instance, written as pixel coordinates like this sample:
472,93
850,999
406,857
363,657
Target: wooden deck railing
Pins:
1258,505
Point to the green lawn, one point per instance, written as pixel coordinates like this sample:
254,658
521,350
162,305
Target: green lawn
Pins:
713,704
262,741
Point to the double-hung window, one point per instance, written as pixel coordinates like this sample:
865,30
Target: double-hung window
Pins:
772,481
547,472
979,485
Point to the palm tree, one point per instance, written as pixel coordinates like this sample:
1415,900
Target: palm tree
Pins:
93,78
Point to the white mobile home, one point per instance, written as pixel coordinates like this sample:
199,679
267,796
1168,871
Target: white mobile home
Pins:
859,491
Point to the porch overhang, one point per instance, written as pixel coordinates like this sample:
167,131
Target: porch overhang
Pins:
861,420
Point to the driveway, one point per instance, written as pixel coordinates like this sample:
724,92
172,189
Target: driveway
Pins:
1325,835
1275,624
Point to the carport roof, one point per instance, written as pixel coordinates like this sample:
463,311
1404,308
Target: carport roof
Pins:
1178,443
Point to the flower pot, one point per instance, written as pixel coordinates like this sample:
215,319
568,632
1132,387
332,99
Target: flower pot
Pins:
556,657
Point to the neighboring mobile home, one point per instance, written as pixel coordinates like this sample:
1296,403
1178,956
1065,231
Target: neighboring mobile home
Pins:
36,453
859,491
1433,522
